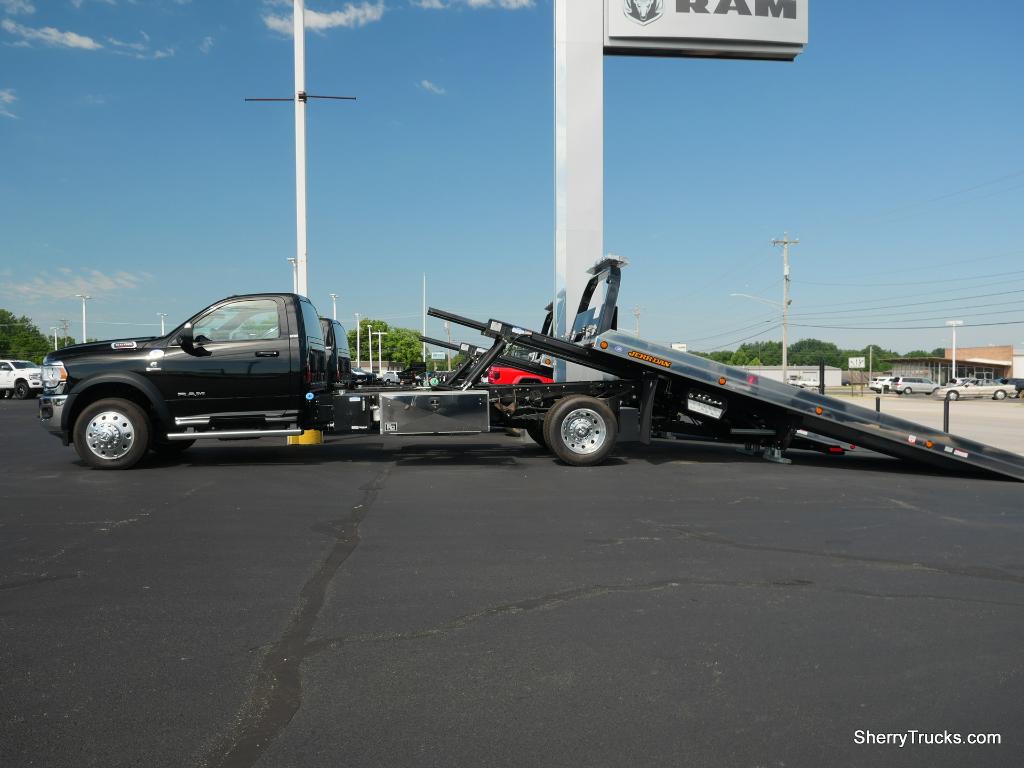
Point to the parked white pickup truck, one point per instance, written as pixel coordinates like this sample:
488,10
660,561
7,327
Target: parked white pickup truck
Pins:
20,379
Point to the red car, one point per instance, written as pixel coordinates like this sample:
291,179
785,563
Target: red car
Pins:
503,374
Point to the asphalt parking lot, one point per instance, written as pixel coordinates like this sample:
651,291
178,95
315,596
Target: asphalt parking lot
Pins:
471,602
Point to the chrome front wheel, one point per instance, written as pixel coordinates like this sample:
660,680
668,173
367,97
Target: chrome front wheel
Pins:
112,434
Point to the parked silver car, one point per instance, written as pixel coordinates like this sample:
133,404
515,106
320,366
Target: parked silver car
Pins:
909,385
996,389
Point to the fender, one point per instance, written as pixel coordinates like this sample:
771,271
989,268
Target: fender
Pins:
127,378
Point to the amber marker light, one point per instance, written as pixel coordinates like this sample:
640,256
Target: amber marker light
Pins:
604,345
721,381
929,444
819,410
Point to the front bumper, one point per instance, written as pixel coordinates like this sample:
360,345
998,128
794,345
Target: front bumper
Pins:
51,412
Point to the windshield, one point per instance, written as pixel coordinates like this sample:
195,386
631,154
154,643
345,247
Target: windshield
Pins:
23,364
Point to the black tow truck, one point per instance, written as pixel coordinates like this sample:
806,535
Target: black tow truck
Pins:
266,365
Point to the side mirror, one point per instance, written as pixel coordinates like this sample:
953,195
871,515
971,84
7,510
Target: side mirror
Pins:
188,342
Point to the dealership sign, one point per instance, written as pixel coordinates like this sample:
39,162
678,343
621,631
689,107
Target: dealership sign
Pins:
747,29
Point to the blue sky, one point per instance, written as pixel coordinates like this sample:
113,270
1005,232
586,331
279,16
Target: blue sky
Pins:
132,169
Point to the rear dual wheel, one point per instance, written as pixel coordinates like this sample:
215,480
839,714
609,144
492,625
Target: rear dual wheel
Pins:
580,430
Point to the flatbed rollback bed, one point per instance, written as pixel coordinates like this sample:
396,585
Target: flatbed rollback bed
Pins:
650,391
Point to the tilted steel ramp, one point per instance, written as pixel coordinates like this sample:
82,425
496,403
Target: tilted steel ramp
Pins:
805,409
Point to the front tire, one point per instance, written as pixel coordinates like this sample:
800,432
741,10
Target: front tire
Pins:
580,430
112,434
999,395
953,395
21,391
171,447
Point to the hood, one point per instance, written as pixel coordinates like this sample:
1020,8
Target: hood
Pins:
107,346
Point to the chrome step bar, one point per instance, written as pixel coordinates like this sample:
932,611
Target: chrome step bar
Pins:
233,433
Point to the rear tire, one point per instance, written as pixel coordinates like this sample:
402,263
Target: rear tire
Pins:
580,430
112,434
908,391
999,395
953,395
535,429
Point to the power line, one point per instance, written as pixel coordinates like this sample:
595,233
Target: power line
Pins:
913,282
905,327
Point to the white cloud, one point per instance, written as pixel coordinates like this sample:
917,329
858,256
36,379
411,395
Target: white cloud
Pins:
206,45
91,282
433,88
351,16
508,5
50,36
7,98
140,49
14,7
80,3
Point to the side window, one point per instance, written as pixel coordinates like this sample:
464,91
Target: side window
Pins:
311,319
245,320
5,366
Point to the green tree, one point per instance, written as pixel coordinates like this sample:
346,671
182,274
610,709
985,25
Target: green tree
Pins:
19,338
739,357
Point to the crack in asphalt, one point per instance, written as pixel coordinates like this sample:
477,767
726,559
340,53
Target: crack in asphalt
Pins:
974,572
557,599
277,694
41,579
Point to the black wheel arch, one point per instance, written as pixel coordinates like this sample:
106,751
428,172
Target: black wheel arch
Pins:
126,385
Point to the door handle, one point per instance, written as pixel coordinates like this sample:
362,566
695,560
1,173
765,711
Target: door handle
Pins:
273,353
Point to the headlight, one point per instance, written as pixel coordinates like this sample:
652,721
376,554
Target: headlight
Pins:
54,375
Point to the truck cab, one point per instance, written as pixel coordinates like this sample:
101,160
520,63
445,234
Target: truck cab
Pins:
245,366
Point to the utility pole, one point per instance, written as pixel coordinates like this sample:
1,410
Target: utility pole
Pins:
163,317
424,351
54,329
785,242
380,351
359,337
334,302
84,299
65,327
636,324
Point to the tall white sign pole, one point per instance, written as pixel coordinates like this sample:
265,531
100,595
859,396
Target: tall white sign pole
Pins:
579,158
301,250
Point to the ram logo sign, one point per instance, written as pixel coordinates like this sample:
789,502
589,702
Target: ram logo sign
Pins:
643,11
745,29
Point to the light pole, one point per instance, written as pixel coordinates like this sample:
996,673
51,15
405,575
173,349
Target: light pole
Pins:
54,329
358,338
334,302
369,347
380,352
448,330
295,273
84,298
163,316
785,242
784,320
954,324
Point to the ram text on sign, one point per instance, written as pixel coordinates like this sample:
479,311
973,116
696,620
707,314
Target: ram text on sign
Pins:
772,29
